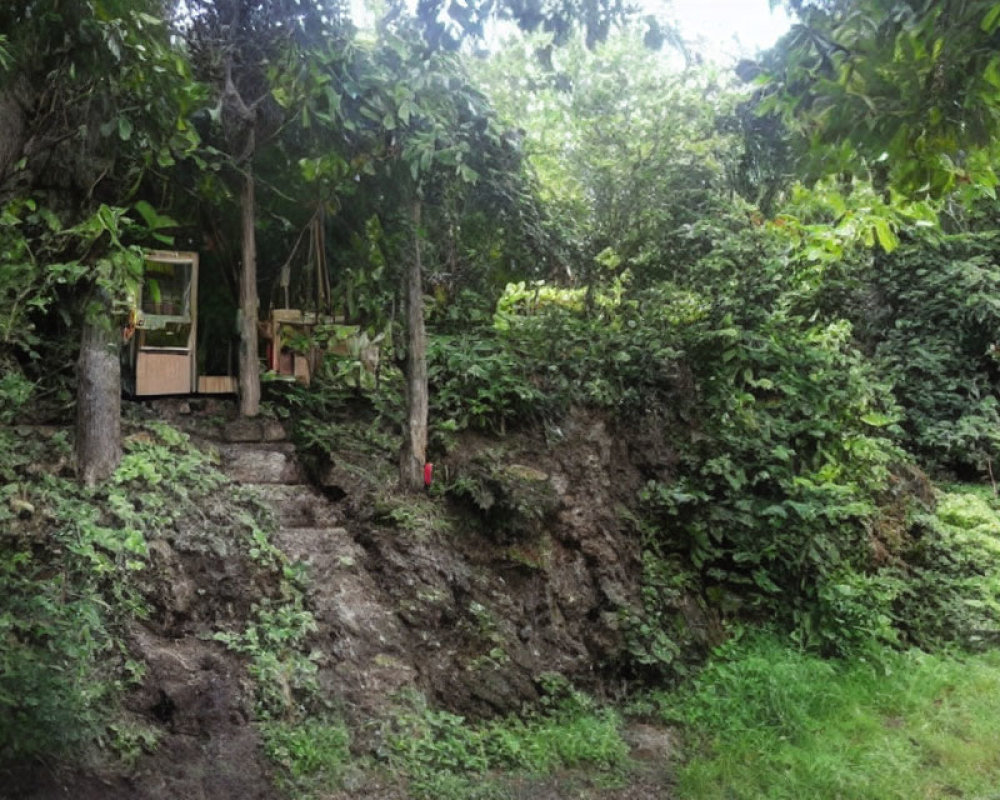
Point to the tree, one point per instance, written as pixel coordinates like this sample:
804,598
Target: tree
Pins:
440,135
93,98
626,148
446,25
244,48
906,92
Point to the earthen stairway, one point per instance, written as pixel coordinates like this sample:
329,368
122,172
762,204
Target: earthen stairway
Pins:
360,639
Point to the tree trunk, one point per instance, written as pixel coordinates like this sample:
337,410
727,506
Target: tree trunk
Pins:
414,452
98,402
12,133
248,358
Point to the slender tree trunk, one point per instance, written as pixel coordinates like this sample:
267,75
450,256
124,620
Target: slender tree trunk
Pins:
12,132
98,402
414,452
248,358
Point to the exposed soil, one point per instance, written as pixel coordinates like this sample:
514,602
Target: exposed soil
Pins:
470,608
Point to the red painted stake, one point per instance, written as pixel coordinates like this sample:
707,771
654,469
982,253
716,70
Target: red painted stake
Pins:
428,474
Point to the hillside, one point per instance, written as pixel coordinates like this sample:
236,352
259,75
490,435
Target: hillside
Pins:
360,604
497,400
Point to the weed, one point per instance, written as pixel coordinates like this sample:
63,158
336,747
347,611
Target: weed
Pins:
131,739
283,673
312,754
420,516
951,585
445,757
68,587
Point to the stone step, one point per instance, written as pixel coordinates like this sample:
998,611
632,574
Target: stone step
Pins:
261,463
323,548
254,430
344,596
298,505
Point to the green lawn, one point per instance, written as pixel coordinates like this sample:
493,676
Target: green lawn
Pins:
767,721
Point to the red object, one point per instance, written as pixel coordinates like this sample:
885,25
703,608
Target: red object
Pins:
428,474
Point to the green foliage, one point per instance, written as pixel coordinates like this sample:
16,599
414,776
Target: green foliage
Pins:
52,276
929,316
15,391
312,754
118,99
766,720
776,491
512,500
421,517
951,583
658,638
903,91
332,416
478,382
68,582
445,756
619,355
626,149
284,674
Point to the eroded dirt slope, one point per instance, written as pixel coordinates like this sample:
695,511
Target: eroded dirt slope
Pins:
469,600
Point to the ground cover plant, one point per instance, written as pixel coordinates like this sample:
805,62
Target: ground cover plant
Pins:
443,755
71,560
766,720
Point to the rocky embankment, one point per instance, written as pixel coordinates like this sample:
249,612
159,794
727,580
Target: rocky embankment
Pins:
470,601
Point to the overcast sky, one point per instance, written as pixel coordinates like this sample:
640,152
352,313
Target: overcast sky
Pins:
729,28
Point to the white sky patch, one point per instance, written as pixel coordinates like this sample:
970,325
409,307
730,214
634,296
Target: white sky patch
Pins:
725,30
720,30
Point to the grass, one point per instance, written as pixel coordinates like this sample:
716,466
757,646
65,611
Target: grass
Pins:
765,720
445,757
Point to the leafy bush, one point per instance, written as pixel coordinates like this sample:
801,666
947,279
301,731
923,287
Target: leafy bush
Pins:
929,315
951,580
619,355
779,484
476,381
659,640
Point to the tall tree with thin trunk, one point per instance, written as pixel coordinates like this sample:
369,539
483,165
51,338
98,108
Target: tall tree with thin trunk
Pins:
249,365
443,131
231,53
414,451
243,47
439,129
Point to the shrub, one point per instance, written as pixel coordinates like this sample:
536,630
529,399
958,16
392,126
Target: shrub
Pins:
951,579
929,316
477,381
789,452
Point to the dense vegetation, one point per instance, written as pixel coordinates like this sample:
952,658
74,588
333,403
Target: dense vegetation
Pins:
793,287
